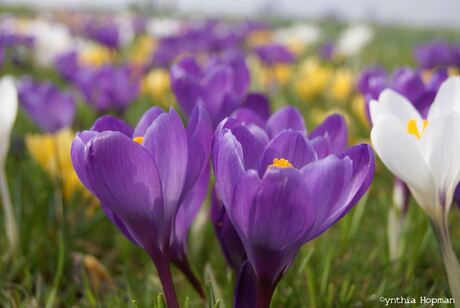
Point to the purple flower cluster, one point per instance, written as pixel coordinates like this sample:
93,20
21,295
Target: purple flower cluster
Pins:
49,107
406,81
437,53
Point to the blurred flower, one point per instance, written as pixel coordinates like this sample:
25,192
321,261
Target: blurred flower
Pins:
52,153
219,86
312,79
435,54
50,108
141,50
163,26
423,153
342,85
98,274
50,40
282,191
156,84
108,87
298,37
8,112
95,55
146,179
354,39
272,54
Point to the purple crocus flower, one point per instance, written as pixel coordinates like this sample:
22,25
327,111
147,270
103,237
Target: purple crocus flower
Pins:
49,107
149,180
220,85
67,65
105,32
108,87
435,54
274,53
282,188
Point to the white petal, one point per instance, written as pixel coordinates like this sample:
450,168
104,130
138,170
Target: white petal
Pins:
441,143
394,105
8,112
401,154
447,99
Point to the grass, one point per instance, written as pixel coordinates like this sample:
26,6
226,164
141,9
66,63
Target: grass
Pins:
348,266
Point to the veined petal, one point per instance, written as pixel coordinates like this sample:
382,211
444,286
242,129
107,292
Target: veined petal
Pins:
166,141
447,99
78,156
228,165
392,104
441,144
401,154
287,117
147,119
125,179
328,186
334,128
290,145
111,123
199,139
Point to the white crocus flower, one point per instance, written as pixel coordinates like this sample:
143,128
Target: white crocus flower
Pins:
307,34
354,39
8,112
425,154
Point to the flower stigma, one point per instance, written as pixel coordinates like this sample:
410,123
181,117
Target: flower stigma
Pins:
138,139
413,129
281,163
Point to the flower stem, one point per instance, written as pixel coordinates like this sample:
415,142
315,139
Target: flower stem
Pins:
10,219
164,272
264,294
450,260
184,266
395,226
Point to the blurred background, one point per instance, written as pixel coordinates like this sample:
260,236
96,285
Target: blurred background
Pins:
406,12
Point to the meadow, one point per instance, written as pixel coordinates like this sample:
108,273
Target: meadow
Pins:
348,266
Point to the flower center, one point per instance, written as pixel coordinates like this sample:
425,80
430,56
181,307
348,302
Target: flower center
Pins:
138,139
414,129
281,163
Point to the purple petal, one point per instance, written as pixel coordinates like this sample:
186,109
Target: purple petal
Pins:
166,141
147,119
126,181
111,123
228,238
334,130
286,118
290,145
199,139
247,116
228,163
258,103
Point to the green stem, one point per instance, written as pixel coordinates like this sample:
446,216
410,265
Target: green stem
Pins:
450,259
10,219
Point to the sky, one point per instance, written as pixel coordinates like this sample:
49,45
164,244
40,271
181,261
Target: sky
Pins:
413,12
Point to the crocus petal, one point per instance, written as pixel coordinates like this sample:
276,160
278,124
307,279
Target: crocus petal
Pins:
447,99
166,141
188,209
290,145
78,156
286,118
247,116
111,123
441,142
334,128
119,223
401,155
327,181
216,84
228,165
199,139
229,239
127,182
147,119
253,141
395,105
280,213
258,103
